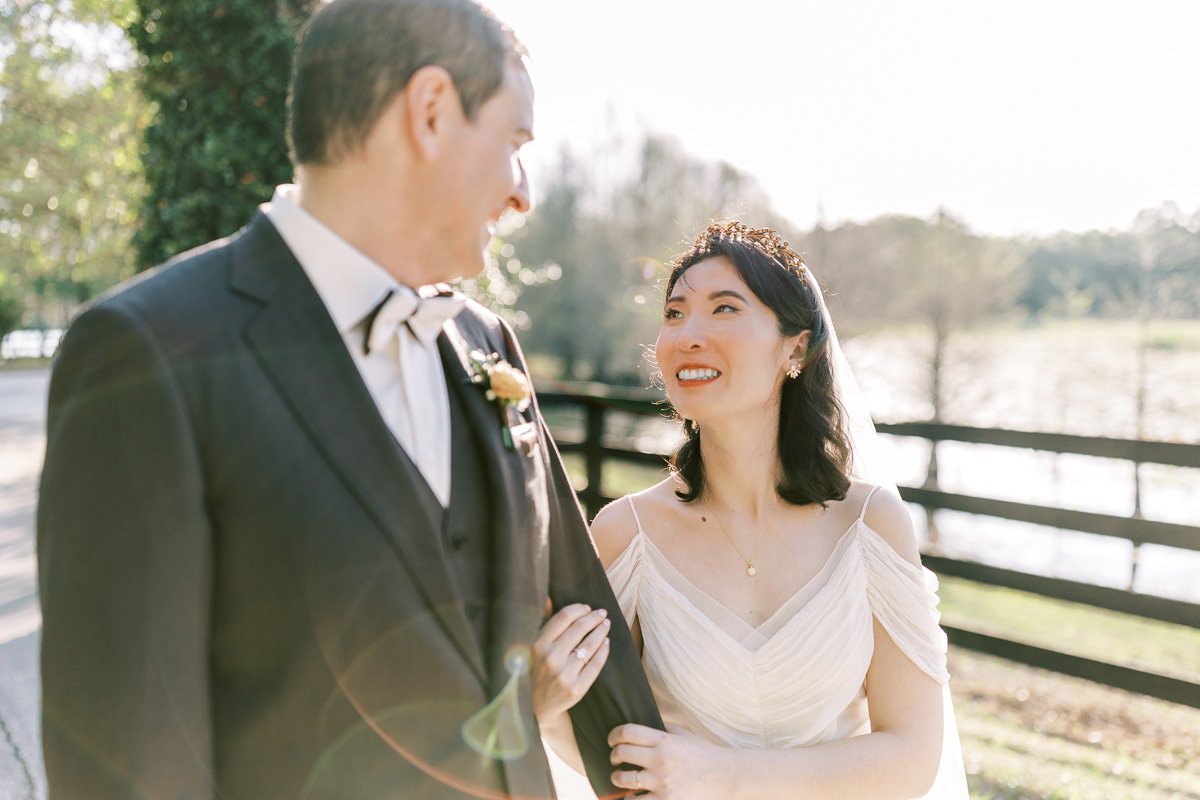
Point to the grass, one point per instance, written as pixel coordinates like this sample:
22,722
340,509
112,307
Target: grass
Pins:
616,479
1072,628
1028,733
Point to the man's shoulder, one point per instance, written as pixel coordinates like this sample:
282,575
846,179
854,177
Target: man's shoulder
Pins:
189,281
169,282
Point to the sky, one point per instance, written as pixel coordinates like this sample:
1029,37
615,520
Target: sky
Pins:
1018,117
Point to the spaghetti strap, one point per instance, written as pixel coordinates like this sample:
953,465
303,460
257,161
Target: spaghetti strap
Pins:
863,512
636,519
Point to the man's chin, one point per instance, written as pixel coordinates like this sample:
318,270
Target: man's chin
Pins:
474,267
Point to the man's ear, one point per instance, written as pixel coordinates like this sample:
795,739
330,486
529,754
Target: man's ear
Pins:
432,105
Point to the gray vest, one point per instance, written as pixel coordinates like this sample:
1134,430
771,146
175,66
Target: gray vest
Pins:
466,526
467,537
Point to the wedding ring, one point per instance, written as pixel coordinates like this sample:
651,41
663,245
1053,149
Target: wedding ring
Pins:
637,779
580,653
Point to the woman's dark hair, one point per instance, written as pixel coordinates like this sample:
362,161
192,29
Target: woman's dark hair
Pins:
813,444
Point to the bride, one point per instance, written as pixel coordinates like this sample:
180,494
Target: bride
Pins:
788,630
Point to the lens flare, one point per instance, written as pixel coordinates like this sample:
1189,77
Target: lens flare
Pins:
497,731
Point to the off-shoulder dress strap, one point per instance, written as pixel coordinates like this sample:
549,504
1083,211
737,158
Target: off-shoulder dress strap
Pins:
863,511
903,597
636,518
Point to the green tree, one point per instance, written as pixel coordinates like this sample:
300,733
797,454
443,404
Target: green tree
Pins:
69,172
215,73
10,307
1169,257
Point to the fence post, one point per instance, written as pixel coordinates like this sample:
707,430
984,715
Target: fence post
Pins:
594,457
1136,552
931,482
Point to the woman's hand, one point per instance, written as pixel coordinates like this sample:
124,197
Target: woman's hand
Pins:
568,654
672,765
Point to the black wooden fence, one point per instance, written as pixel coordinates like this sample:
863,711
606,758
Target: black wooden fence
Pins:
591,438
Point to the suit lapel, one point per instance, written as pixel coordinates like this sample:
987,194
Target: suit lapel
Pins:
305,358
519,547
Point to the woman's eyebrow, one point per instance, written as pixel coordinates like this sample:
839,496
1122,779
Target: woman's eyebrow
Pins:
679,298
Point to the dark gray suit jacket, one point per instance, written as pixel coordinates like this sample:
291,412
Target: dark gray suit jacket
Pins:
242,595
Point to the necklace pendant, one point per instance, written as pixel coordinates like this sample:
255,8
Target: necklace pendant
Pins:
750,570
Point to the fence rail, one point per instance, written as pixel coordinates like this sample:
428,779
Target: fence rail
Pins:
598,402
1136,530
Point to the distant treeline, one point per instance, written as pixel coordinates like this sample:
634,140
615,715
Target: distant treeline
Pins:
606,224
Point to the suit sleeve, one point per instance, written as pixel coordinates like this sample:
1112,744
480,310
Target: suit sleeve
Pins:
621,693
124,557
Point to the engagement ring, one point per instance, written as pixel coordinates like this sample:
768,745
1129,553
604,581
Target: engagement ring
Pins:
580,653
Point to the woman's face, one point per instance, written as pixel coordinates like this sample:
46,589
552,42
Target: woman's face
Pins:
719,348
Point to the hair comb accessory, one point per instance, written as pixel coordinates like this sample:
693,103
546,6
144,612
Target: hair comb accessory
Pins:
764,240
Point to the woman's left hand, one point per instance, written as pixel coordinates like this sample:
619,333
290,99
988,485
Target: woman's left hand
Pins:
672,765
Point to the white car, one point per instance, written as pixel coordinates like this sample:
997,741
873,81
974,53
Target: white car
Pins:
30,343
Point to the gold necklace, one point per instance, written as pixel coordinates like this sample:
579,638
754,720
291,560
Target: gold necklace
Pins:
751,570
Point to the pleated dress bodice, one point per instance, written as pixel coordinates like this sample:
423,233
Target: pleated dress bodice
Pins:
797,679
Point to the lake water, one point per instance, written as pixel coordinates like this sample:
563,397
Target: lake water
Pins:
1079,378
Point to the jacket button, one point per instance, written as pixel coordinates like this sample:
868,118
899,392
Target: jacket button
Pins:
457,541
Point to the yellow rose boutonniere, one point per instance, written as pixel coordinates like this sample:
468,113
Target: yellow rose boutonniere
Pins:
504,385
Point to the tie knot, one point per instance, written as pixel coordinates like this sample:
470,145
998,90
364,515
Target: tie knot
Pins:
423,315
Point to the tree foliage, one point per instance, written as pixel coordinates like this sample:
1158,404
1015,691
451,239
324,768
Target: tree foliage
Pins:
10,307
215,75
1152,268
69,127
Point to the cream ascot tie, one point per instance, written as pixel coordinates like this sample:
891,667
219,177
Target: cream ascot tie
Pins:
423,315
414,321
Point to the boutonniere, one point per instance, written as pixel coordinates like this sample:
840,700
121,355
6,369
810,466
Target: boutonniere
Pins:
504,385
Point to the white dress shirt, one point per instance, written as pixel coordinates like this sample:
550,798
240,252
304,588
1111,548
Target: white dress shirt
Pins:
351,285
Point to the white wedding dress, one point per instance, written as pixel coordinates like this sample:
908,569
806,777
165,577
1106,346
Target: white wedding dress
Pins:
795,680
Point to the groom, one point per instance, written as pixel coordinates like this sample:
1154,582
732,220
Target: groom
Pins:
299,518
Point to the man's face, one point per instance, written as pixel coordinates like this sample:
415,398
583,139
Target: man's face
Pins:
483,173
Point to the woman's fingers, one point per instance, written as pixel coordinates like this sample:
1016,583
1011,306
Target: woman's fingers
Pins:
578,631
587,648
591,670
638,780
635,734
559,622
570,650
567,629
633,754
569,653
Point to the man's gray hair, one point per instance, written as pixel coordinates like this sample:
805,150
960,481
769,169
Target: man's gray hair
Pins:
354,56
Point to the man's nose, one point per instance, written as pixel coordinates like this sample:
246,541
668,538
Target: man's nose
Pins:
521,200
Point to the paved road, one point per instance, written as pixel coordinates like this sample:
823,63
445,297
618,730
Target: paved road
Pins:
22,442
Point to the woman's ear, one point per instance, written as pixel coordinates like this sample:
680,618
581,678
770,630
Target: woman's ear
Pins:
432,107
799,347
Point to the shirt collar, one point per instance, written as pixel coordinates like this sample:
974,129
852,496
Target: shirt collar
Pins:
349,284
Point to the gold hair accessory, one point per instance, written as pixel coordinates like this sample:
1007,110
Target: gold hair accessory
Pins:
764,240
